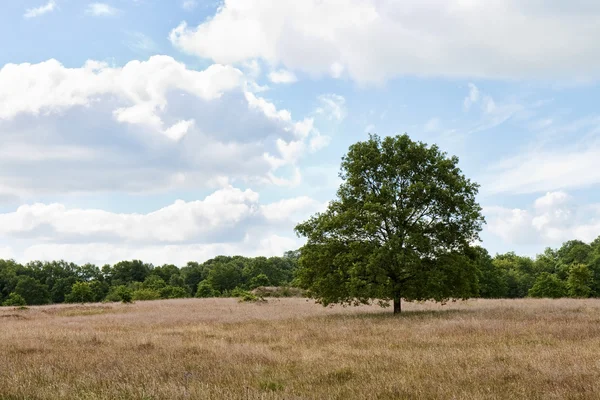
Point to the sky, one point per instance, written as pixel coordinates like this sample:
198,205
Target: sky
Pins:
178,130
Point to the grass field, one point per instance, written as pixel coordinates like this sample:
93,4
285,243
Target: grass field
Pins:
294,349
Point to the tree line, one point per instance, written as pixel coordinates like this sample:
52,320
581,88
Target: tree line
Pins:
54,282
573,270
402,227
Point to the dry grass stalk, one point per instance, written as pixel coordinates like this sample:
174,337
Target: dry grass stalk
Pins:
294,349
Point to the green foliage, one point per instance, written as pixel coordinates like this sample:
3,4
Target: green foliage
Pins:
154,282
225,276
145,294
129,271
14,300
32,291
259,280
400,227
99,290
81,292
173,292
579,281
492,280
206,290
120,293
549,286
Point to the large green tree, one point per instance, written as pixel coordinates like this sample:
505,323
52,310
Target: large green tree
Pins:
400,227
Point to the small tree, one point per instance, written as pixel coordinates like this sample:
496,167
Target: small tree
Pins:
145,294
205,290
173,292
259,280
120,293
32,291
81,292
579,281
14,300
400,228
548,286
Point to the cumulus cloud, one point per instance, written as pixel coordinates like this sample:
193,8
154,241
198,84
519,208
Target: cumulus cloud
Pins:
552,219
41,10
230,221
101,10
147,126
375,40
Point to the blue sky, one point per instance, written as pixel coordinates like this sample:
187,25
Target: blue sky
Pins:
178,130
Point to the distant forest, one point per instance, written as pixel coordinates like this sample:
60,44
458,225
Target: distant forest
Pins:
572,270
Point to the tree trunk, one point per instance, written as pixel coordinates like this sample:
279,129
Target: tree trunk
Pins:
397,304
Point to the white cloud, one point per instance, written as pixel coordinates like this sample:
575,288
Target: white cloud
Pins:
569,166
229,221
6,253
41,10
375,40
472,97
333,106
189,5
146,126
282,76
49,87
553,219
101,10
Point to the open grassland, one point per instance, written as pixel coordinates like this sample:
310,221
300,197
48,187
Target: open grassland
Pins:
294,349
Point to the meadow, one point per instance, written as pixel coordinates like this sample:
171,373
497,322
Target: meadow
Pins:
291,348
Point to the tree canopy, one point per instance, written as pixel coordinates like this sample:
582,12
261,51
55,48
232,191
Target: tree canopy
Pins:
400,227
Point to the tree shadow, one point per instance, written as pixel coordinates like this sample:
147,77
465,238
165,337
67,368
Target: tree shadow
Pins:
404,315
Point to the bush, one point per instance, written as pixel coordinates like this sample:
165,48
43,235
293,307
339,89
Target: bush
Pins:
120,293
205,290
173,292
81,292
146,294
549,286
14,300
278,291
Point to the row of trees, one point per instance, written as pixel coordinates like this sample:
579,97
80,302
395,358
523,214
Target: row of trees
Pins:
63,282
573,270
401,227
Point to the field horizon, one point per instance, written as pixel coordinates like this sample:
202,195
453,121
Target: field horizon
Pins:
292,348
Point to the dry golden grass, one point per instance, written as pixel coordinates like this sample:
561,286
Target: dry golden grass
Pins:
294,349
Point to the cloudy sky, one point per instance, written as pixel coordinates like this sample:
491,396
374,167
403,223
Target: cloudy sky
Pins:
178,130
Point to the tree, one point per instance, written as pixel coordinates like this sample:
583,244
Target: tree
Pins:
14,300
579,281
400,227
206,290
492,280
32,291
81,292
225,276
548,285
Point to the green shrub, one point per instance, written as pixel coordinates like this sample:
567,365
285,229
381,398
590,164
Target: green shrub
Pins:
14,300
154,282
120,293
81,292
173,292
146,294
549,286
579,281
205,290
